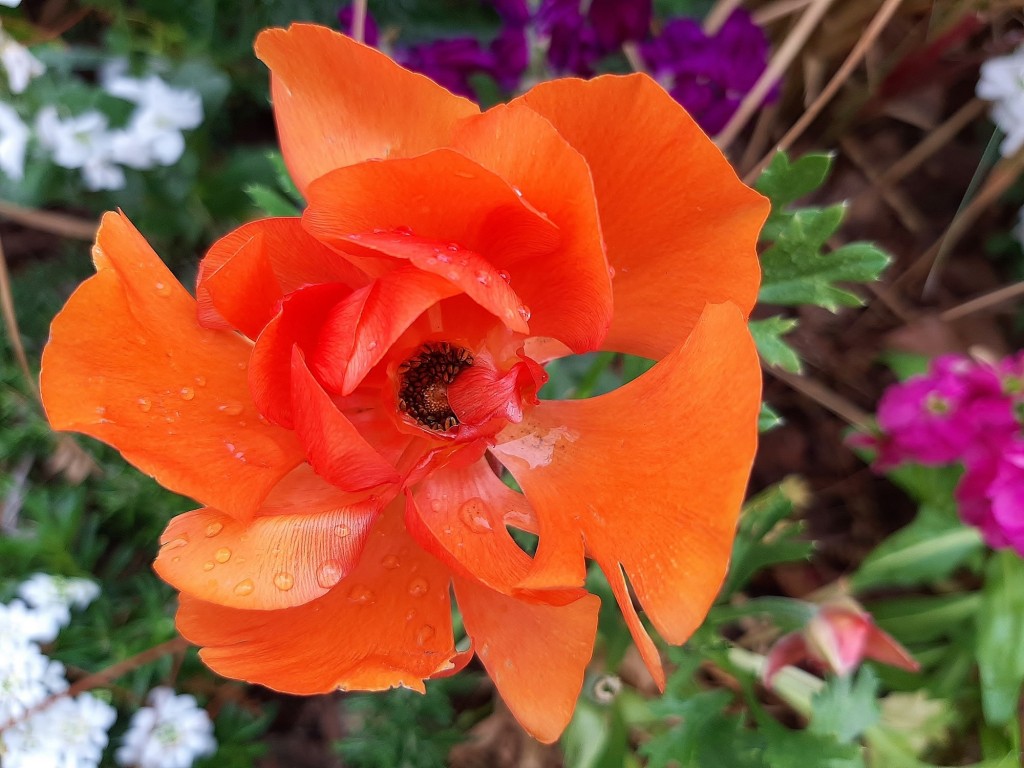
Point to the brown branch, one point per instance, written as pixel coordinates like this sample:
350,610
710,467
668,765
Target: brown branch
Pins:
11,324
48,221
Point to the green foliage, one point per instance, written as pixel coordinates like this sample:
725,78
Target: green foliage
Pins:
846,707
1000,648
774,351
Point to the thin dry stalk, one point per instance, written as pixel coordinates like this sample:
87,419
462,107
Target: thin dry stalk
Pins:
825,397
11,324
47,221
983,302
718,14
359,20
785,56
778,10
760,137
933,142
863,45
905,211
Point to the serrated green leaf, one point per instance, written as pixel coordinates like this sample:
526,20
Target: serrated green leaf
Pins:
678,745
1000,645
774,351
795,271
846,707
595,738
784,181
768,419
790,749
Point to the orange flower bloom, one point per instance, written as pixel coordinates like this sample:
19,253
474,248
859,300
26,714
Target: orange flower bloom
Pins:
343,387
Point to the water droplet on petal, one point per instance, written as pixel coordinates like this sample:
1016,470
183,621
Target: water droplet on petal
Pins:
371,345
341,531
418,587
284,581
145,404
518,191
200,381
176,543
231,408
213,529
244,587
329,573
208,565
473,514
425,634
611,271
390,562
360,595
175,559
504,275
453,246
453,274
222,555
404,230
436,505
483,278
187,393
163,289
524,312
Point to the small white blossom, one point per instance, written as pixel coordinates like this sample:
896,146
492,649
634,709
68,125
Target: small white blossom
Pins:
10,3
70,733
43,591
153,135
81,142
170,733
14,136
21,66
27,678
19,623
1002,82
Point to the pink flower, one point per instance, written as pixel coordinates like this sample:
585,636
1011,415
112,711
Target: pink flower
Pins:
838,637
991,494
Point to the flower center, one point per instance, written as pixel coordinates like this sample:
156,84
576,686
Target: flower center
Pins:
423,382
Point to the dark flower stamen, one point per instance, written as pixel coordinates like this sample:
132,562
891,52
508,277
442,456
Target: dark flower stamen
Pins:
423,382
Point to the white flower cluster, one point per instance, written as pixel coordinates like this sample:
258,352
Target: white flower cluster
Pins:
1002,82
69,733
170,733
85,142
63,732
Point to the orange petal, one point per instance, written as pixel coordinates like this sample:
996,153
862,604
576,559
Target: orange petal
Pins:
388,623
441,196
567,290
333,445
272,562
128,364
651,475
338,102
458,514
679,226
248,270
535,654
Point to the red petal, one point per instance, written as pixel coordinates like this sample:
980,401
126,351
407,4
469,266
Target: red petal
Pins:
680,228
651,475
338,102
333,445
127,363
787,651
535,654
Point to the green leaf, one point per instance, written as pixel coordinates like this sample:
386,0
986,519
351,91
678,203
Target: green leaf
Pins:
795,271
768,419
774,351
767,535
270,202
924,619
784,182
847,706
1000,646
790,749
929,548
596,737
678,745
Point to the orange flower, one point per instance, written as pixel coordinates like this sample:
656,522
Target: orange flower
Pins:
343,387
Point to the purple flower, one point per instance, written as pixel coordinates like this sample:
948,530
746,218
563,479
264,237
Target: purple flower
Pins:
709,76
371,34
451,62
510,53
513,12
577,40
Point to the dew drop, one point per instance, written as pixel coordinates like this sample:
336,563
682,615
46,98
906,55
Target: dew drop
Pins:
404,230
504,275
222,555
329,573
425,634
473,514
213,529
341,531
483,278
242,366
176,543
200,381
436,505
453,246
360,595
208,565
162,289
518,191
611,271
524,312
284,581
244,587
371,345
145,404
390,562
175,559
187,393
231,408
418,587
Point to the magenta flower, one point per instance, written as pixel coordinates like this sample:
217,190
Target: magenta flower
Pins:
578,38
